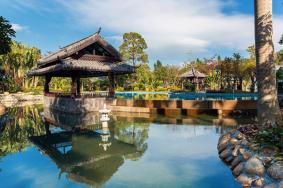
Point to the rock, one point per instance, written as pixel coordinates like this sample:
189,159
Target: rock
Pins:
280,185
238,169
224,139
226,153
246,154
253,147
233,141
244,142
244,180
266,160
254,166
236,161
229,159
272,185
235,133
240,136
269,151
276,170
221,147
259,182
235,150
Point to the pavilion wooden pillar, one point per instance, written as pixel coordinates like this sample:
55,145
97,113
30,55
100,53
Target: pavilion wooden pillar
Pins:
111,84
76,86
46,84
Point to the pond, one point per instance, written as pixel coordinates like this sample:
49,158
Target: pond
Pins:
186,96
44,148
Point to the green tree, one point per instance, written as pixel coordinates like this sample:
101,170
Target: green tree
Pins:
6,33
160,72
143,77
133,48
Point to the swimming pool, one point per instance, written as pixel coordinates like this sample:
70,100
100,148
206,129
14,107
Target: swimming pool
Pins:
186,96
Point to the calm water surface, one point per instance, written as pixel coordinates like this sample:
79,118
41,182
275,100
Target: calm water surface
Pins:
52,149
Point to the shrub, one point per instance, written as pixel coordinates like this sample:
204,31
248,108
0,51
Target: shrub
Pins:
271,135
120,89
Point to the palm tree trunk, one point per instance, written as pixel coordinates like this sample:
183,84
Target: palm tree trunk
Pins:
267,106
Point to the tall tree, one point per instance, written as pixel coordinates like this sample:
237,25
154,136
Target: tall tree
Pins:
267,106
160,72
133,48
6,33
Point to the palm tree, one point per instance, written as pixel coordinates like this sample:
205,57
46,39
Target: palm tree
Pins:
267,106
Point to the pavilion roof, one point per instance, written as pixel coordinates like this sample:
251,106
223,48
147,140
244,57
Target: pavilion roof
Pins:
84,67
74,47
193,73
75,59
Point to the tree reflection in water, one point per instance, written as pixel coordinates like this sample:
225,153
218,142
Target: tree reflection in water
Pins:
16,125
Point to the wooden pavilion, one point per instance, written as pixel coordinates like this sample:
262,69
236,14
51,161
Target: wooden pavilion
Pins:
92,56
195,77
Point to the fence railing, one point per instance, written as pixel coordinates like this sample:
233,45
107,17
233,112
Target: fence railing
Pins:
87,94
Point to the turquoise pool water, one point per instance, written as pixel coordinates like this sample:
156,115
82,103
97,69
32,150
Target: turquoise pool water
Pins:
141,151
187,96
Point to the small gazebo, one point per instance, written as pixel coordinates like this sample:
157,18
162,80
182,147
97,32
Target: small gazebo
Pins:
195,77
92,56
89,57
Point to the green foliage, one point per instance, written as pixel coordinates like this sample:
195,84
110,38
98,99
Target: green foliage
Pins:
279,57
272,135
6,33
60,84
16,64
16,126
189,86
132,48
160,72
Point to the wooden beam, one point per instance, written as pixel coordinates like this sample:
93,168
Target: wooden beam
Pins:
74,87
78,86
111,84
46,83
88,57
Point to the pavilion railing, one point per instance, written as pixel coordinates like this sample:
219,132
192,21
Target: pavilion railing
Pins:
86,94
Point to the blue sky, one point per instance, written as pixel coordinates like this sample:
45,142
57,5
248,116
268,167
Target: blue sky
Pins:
175,30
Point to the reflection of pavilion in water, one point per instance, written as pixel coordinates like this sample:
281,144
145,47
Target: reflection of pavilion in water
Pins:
86,155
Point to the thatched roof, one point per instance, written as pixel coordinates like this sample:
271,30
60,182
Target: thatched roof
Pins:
193,74
91,56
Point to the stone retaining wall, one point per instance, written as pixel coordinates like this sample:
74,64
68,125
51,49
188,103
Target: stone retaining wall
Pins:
76,105
166,107
186,107
251,165
19,99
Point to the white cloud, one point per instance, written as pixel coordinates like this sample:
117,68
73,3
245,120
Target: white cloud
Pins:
172,28
17,27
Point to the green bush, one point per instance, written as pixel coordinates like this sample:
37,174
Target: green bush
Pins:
272,135
120,89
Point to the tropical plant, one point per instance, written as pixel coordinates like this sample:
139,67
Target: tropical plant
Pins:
6,34
16,64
